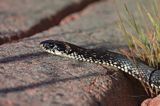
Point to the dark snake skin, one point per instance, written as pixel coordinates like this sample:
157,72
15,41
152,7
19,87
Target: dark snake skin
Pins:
147,75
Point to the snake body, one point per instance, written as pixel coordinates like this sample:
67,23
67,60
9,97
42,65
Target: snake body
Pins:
148,75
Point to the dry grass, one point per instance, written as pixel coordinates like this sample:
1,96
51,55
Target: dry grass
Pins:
144,34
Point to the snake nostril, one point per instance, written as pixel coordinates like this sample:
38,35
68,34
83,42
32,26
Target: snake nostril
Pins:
43,42
44,45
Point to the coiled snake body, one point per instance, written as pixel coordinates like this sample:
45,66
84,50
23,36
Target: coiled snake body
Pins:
147,75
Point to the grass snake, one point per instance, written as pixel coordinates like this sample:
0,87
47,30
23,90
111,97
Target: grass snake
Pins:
145,74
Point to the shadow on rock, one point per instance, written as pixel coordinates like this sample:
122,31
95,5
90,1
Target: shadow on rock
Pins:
22,57
46,82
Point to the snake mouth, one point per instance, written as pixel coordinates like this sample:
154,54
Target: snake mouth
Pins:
47,46
53,46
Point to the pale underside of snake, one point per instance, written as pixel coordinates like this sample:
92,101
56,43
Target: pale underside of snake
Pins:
145,74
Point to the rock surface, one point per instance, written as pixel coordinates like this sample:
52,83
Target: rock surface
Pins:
25,18
152,101
31,77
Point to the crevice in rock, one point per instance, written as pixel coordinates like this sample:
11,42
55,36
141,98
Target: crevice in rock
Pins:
48,22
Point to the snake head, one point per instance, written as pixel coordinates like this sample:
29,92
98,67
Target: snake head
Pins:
53,46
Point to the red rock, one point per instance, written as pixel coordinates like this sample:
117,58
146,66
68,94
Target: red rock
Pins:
152,101
31,77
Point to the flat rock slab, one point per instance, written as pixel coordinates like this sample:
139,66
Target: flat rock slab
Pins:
31,77
19,19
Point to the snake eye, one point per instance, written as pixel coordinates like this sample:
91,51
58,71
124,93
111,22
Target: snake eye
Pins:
59,46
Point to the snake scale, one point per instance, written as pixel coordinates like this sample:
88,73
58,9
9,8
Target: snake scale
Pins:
147,75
